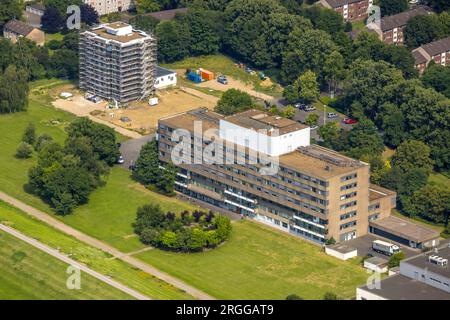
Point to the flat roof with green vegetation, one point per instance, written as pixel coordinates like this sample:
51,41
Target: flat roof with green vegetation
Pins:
259,262
28,273
94,258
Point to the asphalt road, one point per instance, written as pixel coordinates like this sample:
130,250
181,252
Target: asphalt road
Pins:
300,115
65,259
130,149
126,257
364,246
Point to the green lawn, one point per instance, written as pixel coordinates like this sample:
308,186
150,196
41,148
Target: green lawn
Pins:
359,25
28,273
53,36
221,64
92,257
439,179
112,209
259,262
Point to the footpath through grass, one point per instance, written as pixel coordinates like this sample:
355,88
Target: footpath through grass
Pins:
95,259
259,262
28,273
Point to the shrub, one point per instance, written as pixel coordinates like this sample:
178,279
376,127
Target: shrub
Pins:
293,297
24,151
29,136
186,232
330,296
394,260
42,140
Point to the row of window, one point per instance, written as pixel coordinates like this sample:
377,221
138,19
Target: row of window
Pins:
348,205
348,215
347,225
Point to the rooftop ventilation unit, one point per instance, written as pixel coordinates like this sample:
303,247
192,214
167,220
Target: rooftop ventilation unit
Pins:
438,260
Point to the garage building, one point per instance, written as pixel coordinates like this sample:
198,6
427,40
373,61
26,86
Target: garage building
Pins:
405,232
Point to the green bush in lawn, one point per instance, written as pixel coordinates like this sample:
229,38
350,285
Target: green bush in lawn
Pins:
24,151
185,232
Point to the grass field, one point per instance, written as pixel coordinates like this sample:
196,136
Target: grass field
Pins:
53,36
221,64
28,273
112,209
92,257
439,179
259,262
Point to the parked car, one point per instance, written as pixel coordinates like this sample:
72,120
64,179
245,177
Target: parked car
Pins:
120,160
349,121
222,79
309,108
313,127
300,106
332,115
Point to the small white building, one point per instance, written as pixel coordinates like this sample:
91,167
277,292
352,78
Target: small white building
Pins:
341,251
376,264
165,78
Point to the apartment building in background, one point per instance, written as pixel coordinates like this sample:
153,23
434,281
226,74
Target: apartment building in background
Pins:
437,51
104,7
315,193
422,277
117,63
391,28
351,10
16,29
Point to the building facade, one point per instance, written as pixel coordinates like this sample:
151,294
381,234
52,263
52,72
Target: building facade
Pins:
104,7
351,10
117,63
16,29
390,29
314,192
36,8
437,51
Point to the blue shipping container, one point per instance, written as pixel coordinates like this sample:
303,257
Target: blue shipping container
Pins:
192,76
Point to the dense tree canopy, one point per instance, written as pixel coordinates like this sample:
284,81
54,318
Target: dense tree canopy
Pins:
184,232
437,77
100,137
149,171
173,40
9,9
233,101
66,175
13,90
52,20
391,7
424,29
412,154
306,50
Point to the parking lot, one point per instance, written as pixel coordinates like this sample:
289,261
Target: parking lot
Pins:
130,149
364,246
301,115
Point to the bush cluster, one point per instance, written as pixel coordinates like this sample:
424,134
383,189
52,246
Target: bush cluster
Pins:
188,231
